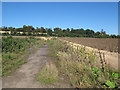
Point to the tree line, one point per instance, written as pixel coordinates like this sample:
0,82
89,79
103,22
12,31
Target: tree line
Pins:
58,32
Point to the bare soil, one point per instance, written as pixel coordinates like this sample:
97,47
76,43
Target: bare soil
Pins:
111,58
108,44
24,77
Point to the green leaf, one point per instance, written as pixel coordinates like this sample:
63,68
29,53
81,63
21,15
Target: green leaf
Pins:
98,71
115,75
110,84
104,86
95,75
94,69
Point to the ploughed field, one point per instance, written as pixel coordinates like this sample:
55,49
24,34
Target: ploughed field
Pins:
99,43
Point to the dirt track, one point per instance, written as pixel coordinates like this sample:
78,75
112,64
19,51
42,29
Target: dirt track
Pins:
24,77
45,38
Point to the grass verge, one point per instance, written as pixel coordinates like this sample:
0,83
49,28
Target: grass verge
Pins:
83,68
48,74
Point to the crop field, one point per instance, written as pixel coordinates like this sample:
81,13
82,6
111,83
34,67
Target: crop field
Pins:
99,43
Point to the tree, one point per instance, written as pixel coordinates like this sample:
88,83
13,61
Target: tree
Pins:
38,30
102,32
19,30
4,28
118,36
24,29
29,29
72,30
113,36
89,33
49,32
97,33
68,29
81,31
57,30
42,30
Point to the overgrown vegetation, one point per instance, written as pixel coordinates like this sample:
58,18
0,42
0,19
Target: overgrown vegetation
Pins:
48,74
15,51
83,67
58,32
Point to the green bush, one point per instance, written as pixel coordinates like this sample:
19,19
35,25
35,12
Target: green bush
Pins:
14,52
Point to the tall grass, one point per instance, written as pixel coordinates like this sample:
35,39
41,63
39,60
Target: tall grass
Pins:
84,69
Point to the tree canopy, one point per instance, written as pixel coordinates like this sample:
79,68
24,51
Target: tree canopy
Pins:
30,30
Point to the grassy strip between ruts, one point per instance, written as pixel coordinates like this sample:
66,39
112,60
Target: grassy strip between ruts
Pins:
48,74
81,67
14,58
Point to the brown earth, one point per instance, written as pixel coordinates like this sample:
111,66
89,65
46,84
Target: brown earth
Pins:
111,58
98,43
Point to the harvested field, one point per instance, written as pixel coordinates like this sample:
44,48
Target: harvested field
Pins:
98,43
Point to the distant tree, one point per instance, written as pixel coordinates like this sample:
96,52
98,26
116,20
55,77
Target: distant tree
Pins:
49,32
97,33
57,30
72,30
68,30
81,31
113,36
18,30
38,30
43,30
4,28
64,30
0,28
29,29
12,30
118,36
102,32
24,29
107,36
89,33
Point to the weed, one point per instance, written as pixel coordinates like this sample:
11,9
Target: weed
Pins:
81,66
48,74
14,52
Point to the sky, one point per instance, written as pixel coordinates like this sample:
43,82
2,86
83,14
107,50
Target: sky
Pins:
86,15
60,0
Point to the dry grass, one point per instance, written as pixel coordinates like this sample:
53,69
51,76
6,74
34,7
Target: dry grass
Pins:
82,67
48,74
